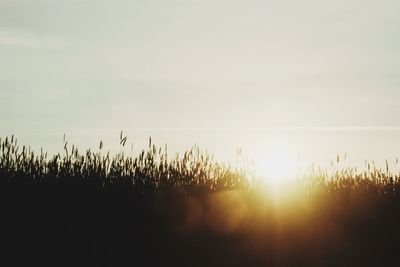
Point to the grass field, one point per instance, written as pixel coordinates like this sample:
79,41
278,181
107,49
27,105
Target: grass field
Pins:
93,209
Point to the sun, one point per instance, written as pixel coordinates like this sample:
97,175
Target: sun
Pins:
277,164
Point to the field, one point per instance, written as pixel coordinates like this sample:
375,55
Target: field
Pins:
94,209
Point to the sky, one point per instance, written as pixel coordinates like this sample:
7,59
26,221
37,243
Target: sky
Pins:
220,73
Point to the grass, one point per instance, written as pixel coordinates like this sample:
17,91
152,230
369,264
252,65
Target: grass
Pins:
153,170
150,171
94,209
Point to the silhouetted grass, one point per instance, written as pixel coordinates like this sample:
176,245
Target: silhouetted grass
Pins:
94,209
154,169
151,170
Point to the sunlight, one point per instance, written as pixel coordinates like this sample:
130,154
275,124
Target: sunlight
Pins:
277,163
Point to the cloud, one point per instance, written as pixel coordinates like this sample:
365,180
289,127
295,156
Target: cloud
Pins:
26,39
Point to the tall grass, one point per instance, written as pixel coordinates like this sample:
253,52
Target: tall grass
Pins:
135,212
151,170
154,169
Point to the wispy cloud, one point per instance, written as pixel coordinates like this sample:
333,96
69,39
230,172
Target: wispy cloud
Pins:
27,39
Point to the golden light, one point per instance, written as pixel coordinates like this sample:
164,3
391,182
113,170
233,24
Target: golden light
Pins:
278,164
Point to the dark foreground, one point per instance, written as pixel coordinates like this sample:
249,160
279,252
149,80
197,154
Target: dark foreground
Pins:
61,226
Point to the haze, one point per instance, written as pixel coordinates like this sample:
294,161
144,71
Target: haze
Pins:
203,72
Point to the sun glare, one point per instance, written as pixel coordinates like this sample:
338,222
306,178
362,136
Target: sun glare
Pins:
277,163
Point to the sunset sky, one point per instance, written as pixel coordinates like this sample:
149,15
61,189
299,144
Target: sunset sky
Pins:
222,74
